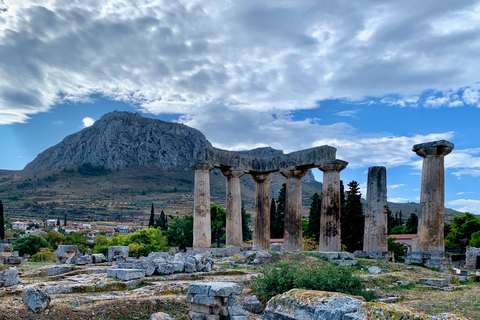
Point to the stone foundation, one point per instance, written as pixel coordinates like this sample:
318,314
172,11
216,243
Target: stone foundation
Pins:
345,259
379,255
438,260
472,258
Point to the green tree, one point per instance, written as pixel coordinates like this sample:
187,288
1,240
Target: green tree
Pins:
398,249
313,226
246,232
412,224
180,232
161,222
353,219
461,230
30,244
475,240
77,239
277,224
152,218
55,238
148,240
65,219
2,222
218,217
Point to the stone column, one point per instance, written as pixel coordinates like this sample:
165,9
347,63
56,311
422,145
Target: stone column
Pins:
432,197
292,239
375,235
202,230
330,210
234,208
261,228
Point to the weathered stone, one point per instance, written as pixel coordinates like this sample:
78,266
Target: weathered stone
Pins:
261,220
252,304
196,315
190,267
434,282
165,268
432,196
233,227
64,252
126,274
85,259
293,239
201,212
257,248
263,254
145,264
6,247
375,234
472,258
374,270
204,300
73,259
14,260
200,308
330,209
160,316
56,270
310,304
116,252
99,258
36,299
9,277
212,289
275,247
167,256
437,260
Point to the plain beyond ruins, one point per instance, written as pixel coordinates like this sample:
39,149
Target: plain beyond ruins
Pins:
428,250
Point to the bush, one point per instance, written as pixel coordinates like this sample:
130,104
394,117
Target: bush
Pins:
397,248
283,276
44,255
30,244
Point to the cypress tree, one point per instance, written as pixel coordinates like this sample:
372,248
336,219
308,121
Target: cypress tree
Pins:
246,233
313,227
152,218
273,209
65,219
353,219
277,224
2,222
163,221
58,222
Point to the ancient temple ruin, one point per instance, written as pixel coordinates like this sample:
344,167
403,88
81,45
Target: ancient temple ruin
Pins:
293,167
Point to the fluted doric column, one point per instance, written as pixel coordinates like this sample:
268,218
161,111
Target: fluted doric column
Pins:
292,239
202,230
261,228
432,197
375,235
234,208
331,206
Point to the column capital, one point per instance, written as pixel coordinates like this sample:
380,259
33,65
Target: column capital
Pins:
433,148
260,177
203,166
294,173
229,173
333,165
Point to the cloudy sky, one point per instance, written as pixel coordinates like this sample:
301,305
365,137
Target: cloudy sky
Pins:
370,78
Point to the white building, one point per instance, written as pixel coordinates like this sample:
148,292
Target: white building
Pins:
123,228
19,225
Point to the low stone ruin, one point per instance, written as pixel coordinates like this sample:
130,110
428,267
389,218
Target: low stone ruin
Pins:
343,258
8,256
67,253
36,299
118,253
438,260
9,277
311,304
215,300
472,258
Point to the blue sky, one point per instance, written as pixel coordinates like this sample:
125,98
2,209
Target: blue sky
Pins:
369,78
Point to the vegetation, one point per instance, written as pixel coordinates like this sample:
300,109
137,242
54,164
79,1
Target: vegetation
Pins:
277,215
396,224
30,244
152,217
88,169
283,276
398,249
246,217
44,255
179,232
161,222
461,229
353,219
2,222
218,217
313,226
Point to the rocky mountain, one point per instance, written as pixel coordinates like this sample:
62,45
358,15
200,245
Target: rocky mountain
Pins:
124,139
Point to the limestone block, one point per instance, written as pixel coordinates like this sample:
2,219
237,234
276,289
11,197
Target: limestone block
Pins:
9,277
200,308
471,258
190,267
179,256
145,264
252,304
85,259
224,289
160,316
160,255
126,274
196,315
263,254
73,258
116,252
61,269
275,247
165,268
235,311
374,270
99,258
258,248
65,252
204,300
13,260
179,266
6,247
434,282
36,299
124,265
310,304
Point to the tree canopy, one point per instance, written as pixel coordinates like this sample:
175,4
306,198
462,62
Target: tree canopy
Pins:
353,219
313,226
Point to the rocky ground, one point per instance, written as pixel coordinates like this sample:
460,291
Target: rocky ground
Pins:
87,292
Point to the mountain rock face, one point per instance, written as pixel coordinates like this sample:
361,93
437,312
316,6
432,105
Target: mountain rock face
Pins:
123,139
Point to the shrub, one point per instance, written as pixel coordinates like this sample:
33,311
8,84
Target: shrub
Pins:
397,248
44,255
30,244
283,276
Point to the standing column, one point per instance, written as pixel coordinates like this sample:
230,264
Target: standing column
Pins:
202,229
375,235
331,205
432,197
261,228
292,239
234,208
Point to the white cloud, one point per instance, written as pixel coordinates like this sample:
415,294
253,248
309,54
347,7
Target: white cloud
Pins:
181,56
397,200
395,186
468,172
465,205
87,122
347,113
58,122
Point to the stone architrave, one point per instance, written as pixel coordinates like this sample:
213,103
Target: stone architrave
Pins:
432,196
292,239
375,235
202,235
261,228
330,210
234,208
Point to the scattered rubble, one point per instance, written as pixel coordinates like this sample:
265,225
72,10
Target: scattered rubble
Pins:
36,299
